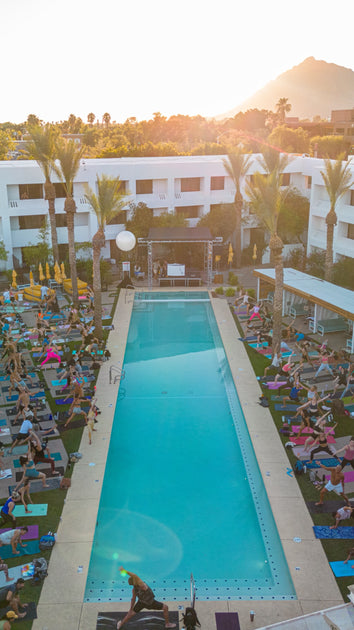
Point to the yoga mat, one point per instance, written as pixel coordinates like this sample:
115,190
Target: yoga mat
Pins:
273,385
348,476
7,474
62,401
329,461
33,532
342,570
323,531
24,571
46,471
31,611
302,439
56,456
74,424
327,507
38,509
287,407
36,486
31,547
18,450
145,619
227,621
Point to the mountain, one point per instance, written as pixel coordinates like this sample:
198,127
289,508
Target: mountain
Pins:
312,88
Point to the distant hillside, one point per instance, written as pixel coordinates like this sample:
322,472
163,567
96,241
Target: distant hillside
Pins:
312,88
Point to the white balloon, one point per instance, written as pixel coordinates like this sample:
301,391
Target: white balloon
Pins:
125,241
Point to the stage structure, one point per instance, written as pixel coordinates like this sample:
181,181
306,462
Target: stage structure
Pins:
182,235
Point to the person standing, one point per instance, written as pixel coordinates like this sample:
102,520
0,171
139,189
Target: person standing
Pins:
146,599
348,457
336,482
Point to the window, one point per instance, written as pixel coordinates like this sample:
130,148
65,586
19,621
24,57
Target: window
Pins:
190,184
217,183
123,189
119,218
350,233
59,190
352,197
143,186
32,222
190,212
285,179
31,191
61,220
308,181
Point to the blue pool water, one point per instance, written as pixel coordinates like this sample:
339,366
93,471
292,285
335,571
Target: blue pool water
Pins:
182,490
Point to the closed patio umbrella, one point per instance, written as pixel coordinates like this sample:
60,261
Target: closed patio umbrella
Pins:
31,279
41,274
14,283
230,256
47,271
62,268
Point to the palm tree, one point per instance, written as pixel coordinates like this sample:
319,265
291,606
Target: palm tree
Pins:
267,198
337,180
42,148
237,165
108,201
91,118
69,155
283,107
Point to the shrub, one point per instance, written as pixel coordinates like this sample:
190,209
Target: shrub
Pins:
233,279
230,292
251,293
219,290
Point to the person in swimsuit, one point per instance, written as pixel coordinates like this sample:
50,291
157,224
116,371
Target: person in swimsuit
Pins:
324,365
75,410
91,415
146,599
336,482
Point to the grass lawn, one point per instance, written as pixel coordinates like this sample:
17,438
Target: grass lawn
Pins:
334,549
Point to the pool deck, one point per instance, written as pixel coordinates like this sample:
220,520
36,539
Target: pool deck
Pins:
61,604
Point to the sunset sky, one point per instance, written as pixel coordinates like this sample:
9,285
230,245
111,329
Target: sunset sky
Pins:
135,58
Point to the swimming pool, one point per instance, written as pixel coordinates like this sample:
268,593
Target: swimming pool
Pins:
182,490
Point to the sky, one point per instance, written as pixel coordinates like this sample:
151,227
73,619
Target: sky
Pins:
138,57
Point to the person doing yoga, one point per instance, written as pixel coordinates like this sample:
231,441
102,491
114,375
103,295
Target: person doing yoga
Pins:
336,482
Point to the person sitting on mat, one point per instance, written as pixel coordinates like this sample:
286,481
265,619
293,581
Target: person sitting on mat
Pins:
336,482
12,600
13,538
146,599
342,514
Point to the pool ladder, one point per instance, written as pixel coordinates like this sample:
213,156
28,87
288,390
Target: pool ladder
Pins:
116,374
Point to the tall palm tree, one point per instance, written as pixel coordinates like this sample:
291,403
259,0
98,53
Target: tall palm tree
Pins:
41,148
283,107
337,180
267,198
69,155
237,165
108,201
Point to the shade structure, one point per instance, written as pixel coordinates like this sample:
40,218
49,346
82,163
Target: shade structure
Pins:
41,274
62,269
14,283
47,271
230,256
31,279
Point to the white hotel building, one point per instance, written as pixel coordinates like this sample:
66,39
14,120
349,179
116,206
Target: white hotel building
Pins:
187,185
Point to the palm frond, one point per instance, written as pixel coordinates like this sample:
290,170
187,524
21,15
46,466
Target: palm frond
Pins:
69,155
108,201
337,179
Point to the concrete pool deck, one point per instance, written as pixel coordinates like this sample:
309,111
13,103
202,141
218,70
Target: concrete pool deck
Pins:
61,605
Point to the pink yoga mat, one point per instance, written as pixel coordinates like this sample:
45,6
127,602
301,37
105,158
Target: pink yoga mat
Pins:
302,439
31,534
348,476
273,385
296,427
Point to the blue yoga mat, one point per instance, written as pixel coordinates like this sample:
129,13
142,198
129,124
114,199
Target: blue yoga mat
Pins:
56,456
32,546
37,509
330,461
286,408
323,531
342,570
62,401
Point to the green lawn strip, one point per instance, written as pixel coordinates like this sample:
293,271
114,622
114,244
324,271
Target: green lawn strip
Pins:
334,549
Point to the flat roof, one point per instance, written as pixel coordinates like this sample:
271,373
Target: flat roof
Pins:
321,292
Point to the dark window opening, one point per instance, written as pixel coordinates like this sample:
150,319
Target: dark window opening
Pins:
350,233
285,179
119,218
352,197
59,190
217,183
32,222
190,184
31,191
308,181
61,220
143,186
